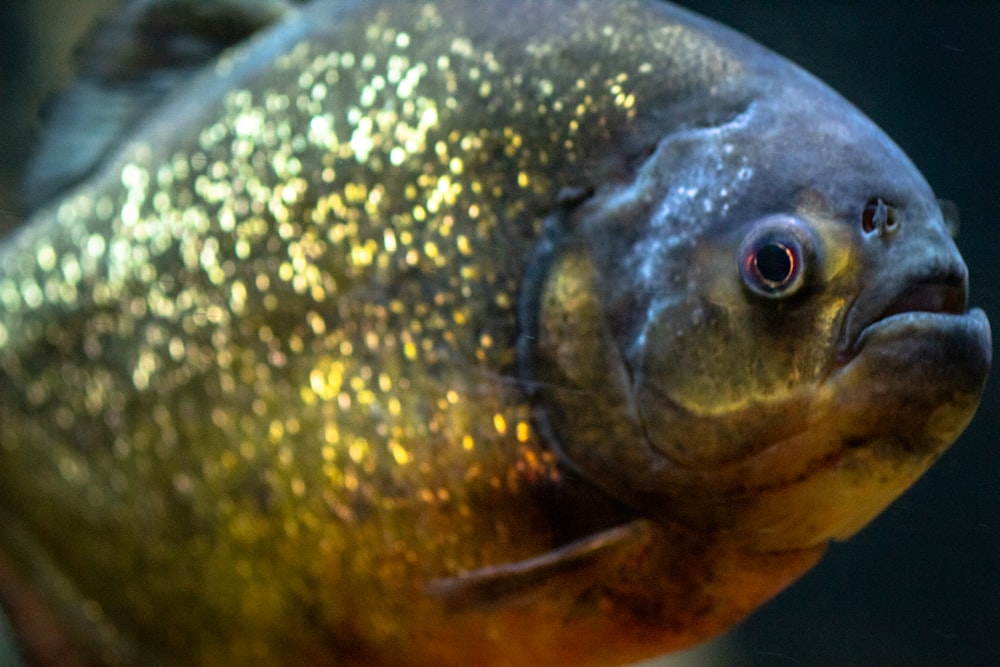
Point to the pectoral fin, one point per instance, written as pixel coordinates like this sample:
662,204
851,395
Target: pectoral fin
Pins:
573,567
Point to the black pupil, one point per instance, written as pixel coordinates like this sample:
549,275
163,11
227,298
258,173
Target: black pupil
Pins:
774,263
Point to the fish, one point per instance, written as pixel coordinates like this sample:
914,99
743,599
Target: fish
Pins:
451,332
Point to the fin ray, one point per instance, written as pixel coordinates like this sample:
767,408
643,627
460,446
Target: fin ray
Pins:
517,583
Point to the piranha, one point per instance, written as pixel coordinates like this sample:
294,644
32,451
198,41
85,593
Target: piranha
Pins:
455,332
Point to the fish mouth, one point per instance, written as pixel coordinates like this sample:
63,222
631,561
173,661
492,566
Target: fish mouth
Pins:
929,301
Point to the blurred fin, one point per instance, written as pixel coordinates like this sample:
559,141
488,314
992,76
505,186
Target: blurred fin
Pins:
127,65
950,213
518,583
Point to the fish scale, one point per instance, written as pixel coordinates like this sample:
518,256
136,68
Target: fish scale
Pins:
254,270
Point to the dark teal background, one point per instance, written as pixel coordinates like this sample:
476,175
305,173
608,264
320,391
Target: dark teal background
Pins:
921,585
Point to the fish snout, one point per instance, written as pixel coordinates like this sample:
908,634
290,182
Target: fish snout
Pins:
914,271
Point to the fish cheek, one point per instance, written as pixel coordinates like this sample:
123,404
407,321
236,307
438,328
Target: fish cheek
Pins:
707,362
577,378
697,374
681,398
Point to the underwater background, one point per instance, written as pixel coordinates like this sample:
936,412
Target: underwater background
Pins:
921,584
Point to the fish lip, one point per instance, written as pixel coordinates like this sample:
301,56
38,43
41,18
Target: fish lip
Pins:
931,300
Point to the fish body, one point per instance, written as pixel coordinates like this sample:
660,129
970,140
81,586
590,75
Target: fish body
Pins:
453,332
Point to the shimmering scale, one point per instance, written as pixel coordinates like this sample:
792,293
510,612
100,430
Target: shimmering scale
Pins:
266,269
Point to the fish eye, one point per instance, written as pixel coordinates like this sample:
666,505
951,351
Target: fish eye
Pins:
773,256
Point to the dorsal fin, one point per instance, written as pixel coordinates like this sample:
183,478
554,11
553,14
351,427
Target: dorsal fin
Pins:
127,65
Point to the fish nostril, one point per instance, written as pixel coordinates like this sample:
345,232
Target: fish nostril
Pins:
891,221
879,218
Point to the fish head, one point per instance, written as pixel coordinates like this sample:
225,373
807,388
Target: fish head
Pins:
787,321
